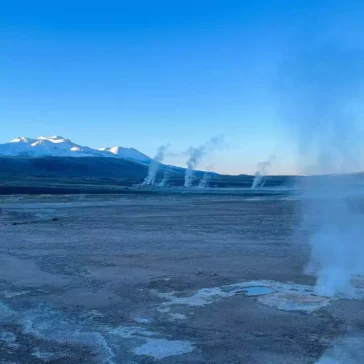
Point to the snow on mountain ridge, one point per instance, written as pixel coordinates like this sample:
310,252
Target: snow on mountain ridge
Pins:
22,140
129,153
58,146
54,139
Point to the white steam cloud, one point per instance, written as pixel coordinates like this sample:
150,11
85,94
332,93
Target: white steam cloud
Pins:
155,164
204,182
323,89
165,179
262,170
196,154
348,350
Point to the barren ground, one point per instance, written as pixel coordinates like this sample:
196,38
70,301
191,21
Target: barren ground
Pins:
97,279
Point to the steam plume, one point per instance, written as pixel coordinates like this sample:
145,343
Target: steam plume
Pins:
164,181
196,154
204,182
154,165
347,350
325,84
262,170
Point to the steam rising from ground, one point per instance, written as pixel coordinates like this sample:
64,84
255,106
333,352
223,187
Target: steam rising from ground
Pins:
163,182
323,91
154,166
262,170
204,182
348,350
196,154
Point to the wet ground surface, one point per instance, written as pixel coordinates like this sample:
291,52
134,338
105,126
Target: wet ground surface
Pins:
166,279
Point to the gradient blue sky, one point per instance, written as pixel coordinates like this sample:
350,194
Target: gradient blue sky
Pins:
146,73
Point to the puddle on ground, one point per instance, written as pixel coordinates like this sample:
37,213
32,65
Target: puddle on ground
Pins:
257,291
109,344
283,296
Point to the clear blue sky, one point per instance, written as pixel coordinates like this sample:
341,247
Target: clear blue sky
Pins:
146,73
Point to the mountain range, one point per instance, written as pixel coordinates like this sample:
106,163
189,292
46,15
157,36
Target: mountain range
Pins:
53,162
57,146
58,157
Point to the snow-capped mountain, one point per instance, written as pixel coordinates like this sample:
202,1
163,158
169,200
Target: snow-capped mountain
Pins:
129,153
58,146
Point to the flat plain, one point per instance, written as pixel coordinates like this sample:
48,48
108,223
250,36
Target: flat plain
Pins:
166,278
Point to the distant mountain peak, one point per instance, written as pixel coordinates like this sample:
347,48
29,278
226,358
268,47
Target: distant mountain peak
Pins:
58,146
22,140
129,153
54,139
